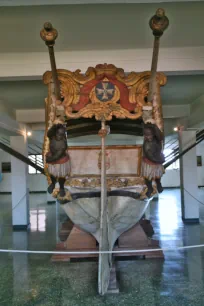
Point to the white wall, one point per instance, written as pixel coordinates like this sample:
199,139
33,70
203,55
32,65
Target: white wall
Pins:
171,178
36,182
5,184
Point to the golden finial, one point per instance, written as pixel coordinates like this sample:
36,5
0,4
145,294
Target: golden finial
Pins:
49,34
159,22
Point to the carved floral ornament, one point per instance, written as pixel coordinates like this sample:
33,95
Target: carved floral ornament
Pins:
112,183
103,92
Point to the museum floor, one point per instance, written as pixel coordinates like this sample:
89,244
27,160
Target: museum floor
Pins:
27,280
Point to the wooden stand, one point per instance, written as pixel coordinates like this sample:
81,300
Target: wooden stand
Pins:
65,230
77,241
133,239
136,239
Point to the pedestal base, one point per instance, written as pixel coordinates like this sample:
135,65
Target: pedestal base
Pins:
136,239
65,230
133,239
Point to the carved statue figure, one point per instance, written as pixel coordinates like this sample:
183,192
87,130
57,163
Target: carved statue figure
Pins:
153,158
58,157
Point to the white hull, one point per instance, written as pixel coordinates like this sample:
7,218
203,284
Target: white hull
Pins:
120,214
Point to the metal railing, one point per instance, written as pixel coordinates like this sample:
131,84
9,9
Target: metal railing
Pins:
20,156
32,148
175,154
33,152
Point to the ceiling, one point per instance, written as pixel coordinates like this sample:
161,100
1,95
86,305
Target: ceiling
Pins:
99,27
60,2
89,27
182,89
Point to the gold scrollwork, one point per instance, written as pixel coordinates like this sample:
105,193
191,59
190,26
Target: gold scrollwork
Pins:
71,83
137,84
112,182
77,76
56,195
103,112
69,90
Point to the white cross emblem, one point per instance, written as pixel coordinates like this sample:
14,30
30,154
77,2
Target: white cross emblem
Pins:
105,91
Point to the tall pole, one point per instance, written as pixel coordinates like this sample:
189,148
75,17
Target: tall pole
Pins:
152,81
104,262
158,23
49,35
103,166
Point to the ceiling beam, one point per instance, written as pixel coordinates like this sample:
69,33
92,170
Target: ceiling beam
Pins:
68,2
30,115
9,126
28,66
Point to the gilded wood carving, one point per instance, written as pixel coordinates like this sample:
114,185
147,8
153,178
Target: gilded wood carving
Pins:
103,92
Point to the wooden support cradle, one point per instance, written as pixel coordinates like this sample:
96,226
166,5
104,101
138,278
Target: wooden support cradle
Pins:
133,239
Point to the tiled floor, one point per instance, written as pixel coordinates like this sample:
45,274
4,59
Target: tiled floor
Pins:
27,280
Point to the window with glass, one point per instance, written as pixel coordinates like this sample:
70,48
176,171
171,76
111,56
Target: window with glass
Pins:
176,164
36,159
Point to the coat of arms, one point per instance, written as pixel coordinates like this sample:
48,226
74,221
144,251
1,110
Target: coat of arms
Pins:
105,91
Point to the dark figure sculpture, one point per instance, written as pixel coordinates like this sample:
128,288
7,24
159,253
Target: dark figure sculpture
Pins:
153,158
58,158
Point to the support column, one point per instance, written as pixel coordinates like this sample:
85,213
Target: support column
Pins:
188,173
19,185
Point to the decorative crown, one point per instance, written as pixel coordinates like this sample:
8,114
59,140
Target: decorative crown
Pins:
105,68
